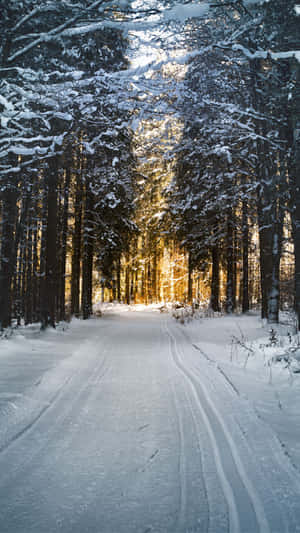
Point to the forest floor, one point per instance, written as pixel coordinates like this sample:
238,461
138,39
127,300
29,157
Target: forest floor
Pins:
135,423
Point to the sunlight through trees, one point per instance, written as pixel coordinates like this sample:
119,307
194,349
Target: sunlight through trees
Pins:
149,153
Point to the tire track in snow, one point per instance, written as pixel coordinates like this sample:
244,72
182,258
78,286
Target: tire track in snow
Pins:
182,466
183,458
255,503
282,520
217,366
213,362
188,399
228,493
24,432
32,423
279,453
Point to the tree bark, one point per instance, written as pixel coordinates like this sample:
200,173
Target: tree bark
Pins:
119,279
215,280
7,263
154,272
295,181
230,265
65,218
190,279
127,280
49,292
20,248
28,271
76,246
35,284
87,254
245,240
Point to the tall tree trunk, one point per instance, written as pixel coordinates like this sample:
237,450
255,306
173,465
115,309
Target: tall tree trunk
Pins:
230,260
42,270
264,189
20,245
132,284
235,262
76,244
245,240
265,252
65,217
23,276
190,279
154,272
296,233
274,293
295,180
143,284
149,284
7,263
119,279
18,287
59,247
215,280
49,292
127,280
277,235
28,271
35,262
88,255
265,227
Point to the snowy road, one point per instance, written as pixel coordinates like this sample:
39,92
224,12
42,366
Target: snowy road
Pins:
139,431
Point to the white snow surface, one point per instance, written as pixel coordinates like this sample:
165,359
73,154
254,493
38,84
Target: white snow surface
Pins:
134,423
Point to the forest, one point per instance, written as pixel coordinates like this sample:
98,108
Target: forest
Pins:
150,152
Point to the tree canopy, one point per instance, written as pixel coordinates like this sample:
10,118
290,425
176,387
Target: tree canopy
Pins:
140,134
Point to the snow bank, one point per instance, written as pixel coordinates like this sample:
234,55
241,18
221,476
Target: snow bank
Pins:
117,308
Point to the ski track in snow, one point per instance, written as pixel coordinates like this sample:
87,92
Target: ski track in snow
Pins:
63,411
289,467
140,431
282,489
231,498
182,466
285,463
183,459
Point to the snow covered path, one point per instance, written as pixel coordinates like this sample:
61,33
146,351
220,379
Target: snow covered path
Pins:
139,431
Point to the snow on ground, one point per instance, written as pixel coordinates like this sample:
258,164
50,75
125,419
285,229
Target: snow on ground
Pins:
34,366
117,308
135,423
262,366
